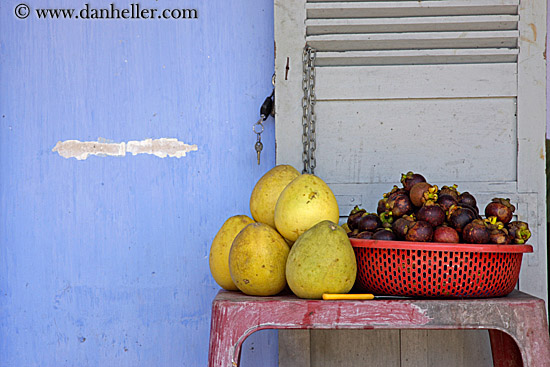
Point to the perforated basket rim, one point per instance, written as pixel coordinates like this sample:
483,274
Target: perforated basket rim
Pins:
438,246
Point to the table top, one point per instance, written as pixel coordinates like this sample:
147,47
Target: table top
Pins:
515,296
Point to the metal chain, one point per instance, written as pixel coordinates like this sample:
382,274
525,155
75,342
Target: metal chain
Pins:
305,109
313,100
308,107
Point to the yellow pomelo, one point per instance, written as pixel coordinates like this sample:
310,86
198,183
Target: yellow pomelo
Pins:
322,260
219,250
257,260
304,202
267,190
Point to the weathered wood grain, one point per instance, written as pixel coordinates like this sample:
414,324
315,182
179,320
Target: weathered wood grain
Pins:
412,24
294,348
290,34
348,348
413,40
368,9
531,116
447,140
449,348
417,57
417,81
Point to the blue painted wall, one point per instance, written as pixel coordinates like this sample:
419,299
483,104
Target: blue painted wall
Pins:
104,262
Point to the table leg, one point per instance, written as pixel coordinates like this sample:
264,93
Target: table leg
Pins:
505,351
228,330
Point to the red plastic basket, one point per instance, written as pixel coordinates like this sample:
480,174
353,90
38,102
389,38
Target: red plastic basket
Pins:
437,270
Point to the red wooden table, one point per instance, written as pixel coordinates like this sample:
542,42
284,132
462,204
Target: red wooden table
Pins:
517,323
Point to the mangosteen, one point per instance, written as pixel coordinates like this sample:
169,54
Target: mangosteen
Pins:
422,192
394,192
458,217
472,208
353,218
420,231
467,198
387,219
452,191
409,179
519,232
353,234
446,234
446,201
384,234
499,236
476,232
493,223
401,225
365,235
431,213
416,193
500,208
368,222
399,205
381,208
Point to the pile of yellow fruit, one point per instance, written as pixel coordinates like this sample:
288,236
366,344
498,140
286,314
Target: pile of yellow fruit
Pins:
294,238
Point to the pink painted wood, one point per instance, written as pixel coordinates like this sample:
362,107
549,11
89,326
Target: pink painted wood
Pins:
517,323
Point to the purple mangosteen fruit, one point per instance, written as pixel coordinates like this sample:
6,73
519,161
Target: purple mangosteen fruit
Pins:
399,205
476,232
446,201
519,232
501,209
467,198
431,213
365,235
458,217
354,216
446,234
384,234
410,178
422,192
420,231
368,222
449,190
401,225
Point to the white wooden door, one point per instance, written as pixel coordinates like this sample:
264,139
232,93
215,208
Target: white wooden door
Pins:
453,89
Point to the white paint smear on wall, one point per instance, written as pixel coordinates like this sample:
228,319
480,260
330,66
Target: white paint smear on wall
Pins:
164,147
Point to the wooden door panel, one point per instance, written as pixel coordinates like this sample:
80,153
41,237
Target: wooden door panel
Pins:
449,348
448,140
349,348
416,81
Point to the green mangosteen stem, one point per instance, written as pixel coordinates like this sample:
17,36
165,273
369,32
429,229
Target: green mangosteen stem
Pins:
386,217
523,234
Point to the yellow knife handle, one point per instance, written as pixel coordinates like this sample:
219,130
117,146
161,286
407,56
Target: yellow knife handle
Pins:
336,296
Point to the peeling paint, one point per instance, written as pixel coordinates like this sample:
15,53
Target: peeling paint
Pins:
162,148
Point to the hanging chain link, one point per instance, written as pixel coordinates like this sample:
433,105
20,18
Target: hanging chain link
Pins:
308,106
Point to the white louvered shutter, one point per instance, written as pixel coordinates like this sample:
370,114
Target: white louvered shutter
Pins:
453,89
